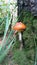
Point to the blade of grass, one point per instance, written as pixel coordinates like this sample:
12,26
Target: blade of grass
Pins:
6,29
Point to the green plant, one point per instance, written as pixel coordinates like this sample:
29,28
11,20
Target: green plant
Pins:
10,41
30,39
20,58
6,43
30,34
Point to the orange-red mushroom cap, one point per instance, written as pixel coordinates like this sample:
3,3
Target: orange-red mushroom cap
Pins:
19,26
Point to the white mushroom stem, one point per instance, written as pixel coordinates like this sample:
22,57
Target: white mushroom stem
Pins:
20,39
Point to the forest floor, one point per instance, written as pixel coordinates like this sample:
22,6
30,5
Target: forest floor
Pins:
8,59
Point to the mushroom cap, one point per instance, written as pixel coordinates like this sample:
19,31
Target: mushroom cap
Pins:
19,26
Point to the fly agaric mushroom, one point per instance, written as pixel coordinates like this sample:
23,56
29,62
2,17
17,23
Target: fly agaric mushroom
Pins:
19,26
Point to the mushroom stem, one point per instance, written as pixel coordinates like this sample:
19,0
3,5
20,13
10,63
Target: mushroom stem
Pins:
20,40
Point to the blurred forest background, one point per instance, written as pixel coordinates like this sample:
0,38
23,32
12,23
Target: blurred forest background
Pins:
28,55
